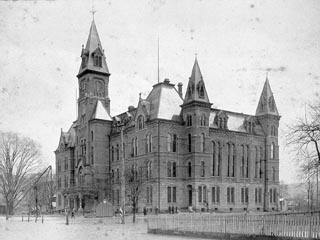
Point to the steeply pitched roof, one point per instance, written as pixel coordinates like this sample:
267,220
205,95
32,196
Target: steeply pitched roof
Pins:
163,102
196,89
267,104
93,47
100,112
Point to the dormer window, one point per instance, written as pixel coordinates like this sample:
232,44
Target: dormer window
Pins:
97,61
221,120
140,122
249,125
200,89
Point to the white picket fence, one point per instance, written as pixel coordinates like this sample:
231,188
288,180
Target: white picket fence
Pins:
302,225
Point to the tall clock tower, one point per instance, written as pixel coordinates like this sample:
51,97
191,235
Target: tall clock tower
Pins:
93,77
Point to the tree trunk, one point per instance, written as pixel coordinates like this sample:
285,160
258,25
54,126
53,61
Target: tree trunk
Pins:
134,213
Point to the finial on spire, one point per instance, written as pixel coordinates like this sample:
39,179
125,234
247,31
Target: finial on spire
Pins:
196,55
267,75
139,95
93,12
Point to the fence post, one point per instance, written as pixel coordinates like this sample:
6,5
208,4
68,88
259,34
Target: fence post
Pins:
310,235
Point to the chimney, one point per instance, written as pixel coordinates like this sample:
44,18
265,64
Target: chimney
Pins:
180,89
166,80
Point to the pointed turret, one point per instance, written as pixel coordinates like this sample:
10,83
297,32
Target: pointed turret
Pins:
196,90
266,104
93,58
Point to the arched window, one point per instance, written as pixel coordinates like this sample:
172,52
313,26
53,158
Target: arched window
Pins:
140,122
189,142
202,169
202,143
189,169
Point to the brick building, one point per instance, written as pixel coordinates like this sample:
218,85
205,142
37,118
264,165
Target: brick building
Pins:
191,153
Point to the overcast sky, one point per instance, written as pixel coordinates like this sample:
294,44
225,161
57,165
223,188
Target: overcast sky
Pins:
237,42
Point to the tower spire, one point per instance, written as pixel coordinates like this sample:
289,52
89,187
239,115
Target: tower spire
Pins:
196,90
267,104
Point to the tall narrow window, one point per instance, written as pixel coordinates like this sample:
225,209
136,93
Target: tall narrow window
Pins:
112,153
273,151
147,143
247,162
118,152
150,142
213,159
189,169
136,146
169,194
149,169
261,162
229,160
189,120
233,160
92,155
174,194
132,150
169,142
202,143
273,173
169,169
118,175
242,161
140,122
256,172
202,169
189,142
174,143
213,195
200,193
219,158
174,169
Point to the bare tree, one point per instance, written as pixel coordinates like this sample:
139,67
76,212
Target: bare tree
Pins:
19,157
135,183
305,137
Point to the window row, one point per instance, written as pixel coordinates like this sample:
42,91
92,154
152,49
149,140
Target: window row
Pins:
203,192
203,120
